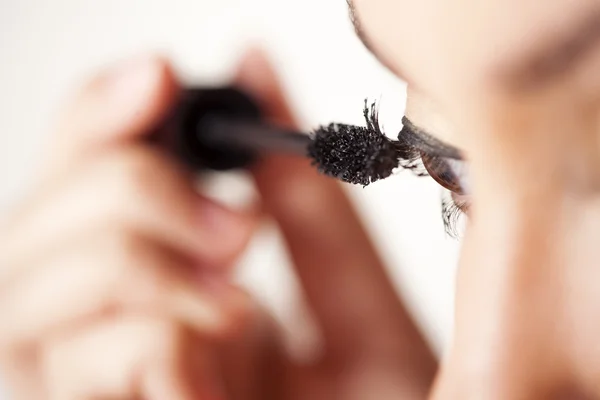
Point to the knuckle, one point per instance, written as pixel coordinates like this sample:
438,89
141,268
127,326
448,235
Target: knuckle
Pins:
138,171
125,248
146,179
151,285
159,339
141,275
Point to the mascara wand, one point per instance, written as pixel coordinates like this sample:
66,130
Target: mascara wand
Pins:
223,129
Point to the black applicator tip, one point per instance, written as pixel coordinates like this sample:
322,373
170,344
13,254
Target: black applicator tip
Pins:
355,154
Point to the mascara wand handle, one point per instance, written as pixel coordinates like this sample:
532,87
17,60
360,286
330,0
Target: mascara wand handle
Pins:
180,134
223,128
250,134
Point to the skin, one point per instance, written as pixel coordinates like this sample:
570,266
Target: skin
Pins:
527,304
141,306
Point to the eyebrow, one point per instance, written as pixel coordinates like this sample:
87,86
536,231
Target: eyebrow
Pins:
421,140
558,58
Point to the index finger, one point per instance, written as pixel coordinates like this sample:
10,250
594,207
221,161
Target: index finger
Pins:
342,276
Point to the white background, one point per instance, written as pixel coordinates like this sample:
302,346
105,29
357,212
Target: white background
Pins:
48,47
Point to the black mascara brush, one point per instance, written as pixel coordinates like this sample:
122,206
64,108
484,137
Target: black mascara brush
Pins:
223,129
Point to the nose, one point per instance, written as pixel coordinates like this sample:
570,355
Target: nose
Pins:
528,300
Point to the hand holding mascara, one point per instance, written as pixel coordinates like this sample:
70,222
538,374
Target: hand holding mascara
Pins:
118,271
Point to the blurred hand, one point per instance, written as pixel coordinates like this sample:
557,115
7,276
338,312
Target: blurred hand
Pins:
114,279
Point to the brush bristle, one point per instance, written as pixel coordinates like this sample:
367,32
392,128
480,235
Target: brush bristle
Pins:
355,154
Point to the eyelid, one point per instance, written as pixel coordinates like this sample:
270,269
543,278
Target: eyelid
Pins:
447,172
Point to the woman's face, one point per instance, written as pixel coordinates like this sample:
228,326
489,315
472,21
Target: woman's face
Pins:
513,85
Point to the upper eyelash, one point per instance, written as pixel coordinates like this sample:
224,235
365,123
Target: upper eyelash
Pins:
408,154
423,141
410,159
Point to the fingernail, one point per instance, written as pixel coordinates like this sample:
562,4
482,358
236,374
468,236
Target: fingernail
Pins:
224,229
130,81
255,69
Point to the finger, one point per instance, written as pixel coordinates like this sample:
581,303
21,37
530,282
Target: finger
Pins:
127,357
110,272
257,77
254,360
135,188
343,278
121,103
197,374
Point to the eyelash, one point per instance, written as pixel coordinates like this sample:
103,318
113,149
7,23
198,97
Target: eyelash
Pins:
415,160
452,211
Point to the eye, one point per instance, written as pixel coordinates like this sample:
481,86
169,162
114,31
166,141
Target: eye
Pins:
448,172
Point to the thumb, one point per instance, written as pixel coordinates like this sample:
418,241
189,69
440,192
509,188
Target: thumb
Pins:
121,103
